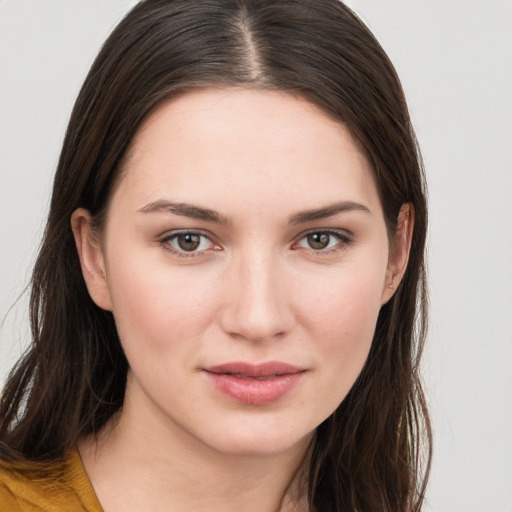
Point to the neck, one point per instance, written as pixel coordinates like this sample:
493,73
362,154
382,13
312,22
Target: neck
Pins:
139,460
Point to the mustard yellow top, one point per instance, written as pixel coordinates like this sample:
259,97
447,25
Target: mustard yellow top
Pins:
63,487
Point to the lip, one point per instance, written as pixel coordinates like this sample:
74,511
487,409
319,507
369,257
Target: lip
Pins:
254,384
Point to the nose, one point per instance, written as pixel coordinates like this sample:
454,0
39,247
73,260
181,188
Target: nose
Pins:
258,305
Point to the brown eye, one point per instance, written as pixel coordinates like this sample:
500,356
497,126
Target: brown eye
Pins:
325,241
188,241
318,241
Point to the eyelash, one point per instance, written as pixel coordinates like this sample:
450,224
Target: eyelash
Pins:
344,240
165,242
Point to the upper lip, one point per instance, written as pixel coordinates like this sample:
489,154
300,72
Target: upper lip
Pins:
267,369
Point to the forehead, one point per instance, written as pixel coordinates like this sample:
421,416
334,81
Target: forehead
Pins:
207,142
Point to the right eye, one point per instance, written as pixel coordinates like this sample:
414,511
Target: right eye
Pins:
187,243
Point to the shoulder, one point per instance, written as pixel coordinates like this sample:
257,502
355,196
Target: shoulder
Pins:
47,487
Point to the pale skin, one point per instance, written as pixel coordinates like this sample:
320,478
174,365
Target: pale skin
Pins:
285,257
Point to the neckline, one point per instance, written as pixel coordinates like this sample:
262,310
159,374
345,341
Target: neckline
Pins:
80,481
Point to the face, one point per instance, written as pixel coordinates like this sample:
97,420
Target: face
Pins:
245,258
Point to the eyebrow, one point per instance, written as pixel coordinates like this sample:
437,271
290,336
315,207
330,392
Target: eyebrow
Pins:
328,211
184,210
197,212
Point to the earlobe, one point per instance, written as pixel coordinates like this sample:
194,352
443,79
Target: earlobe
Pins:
91,259
400,249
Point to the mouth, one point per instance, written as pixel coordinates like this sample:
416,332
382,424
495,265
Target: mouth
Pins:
248,377
250,384
248,370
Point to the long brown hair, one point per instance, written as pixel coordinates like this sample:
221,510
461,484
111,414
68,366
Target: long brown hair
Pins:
373,453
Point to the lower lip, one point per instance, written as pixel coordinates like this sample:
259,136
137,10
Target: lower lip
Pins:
253,391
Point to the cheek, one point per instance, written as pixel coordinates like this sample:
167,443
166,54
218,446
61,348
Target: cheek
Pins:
345,335
158,309
345,301
342,324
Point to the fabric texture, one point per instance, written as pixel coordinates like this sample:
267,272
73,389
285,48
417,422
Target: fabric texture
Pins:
61,486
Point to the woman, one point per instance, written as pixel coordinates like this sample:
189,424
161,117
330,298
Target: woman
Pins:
228,306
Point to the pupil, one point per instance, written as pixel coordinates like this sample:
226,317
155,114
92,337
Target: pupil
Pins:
189,242
318,240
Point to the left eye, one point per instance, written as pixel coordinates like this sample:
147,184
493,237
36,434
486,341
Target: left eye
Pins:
322,240
188,242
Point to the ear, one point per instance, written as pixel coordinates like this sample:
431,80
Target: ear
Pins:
91,259
399,252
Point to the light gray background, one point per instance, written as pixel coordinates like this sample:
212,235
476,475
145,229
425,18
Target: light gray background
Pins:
455,61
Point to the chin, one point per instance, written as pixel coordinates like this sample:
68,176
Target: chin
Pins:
258,438
257,447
